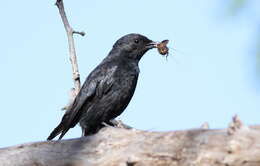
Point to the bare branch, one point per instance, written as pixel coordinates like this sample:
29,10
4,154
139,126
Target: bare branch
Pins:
72,51
114,146
72,95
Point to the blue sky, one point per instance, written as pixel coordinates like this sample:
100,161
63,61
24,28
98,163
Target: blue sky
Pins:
209,78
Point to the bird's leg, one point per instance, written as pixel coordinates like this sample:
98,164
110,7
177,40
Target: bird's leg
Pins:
89,130
86,131
109,123
119,124
83,131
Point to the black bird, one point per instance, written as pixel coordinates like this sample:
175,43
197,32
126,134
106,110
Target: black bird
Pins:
109,87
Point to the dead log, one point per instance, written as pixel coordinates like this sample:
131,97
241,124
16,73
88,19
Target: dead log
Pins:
122,147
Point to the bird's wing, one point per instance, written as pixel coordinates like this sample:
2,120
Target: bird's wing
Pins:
98,84
106,83
87,91
71,116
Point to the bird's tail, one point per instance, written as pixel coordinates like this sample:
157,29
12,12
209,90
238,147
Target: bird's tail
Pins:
59,129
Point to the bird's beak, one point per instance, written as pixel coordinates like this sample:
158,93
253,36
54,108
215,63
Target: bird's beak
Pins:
152,44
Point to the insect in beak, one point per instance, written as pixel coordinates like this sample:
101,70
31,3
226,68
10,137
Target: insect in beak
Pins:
162,47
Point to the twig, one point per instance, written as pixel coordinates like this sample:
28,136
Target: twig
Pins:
72,51
80,33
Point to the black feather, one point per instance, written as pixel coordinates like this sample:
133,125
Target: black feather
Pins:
109,87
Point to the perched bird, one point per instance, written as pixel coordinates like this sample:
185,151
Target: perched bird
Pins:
109,87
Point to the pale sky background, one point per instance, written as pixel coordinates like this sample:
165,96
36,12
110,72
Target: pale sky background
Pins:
210,77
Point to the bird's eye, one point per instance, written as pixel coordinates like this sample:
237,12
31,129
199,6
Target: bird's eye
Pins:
136,41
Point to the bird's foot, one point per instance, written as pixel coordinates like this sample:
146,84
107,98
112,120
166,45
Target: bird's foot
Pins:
119,124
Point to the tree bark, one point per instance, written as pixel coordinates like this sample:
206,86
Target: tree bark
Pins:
238,145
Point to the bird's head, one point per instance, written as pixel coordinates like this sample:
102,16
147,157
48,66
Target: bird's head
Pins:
133,46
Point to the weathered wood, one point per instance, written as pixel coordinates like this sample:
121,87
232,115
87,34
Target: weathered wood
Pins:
121,147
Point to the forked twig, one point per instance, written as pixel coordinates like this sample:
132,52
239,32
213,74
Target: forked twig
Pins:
72,51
